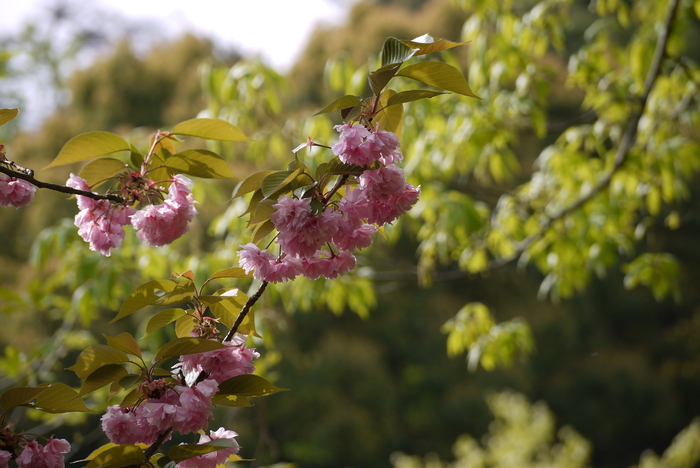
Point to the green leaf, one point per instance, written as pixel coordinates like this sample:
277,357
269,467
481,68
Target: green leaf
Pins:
278,180
96,356
345,102
101,377
183,346
439,75
336,167
251,183
161,319
262,230
117,456
390,118
184,326
59,398
144,295
200,163
101,170
89,145
263,210
231,400
235,272
18,396
395,52
426,44
379,78
183,292
179,453
7,114
124,342
248,385
210,129
413,95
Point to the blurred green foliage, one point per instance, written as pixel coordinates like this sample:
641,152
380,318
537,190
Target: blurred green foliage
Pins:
559,81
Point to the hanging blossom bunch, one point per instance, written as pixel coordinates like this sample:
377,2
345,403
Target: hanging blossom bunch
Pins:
31,454
14,192
101,222
317,243
184,406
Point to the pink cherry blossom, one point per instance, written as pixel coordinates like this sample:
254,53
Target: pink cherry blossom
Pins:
329,267
15,192
256,260
220,364
301,233
127,426
382,183
193,412
35,455
5,457
158,225
284,270
388,210
355,239
212,459
349,147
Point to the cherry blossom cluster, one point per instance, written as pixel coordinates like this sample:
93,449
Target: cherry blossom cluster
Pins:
185,407
101,223
322,244
15,192
33,454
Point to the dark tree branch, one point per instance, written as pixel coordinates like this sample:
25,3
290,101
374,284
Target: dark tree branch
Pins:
626,143
244,311
29,177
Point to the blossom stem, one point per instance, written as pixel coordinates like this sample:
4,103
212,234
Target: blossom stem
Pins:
244,311
60,188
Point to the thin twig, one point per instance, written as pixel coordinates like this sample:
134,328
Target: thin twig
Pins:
628,140
59,188
244,311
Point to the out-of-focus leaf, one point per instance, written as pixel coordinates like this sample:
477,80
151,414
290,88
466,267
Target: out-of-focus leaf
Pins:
7,115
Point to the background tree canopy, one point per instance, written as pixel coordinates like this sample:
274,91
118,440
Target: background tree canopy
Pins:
555,243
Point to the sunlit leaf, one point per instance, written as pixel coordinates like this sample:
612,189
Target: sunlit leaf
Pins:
89,145
390,118
426,44
124,342
235,272
184,326
200,163
379,78
162,319
210,129
18,396
183,292
101,170
231,400
395,51
96,356
277,180
248,385
183,346
440,75
413,95
182,452
7,115
59,398
144,295
117,456
251,183
345,102
103,376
